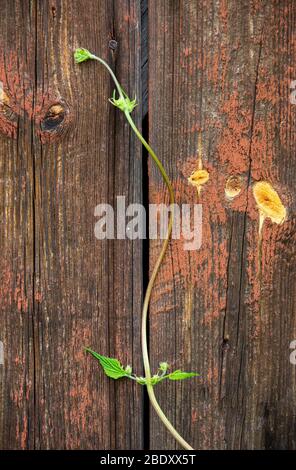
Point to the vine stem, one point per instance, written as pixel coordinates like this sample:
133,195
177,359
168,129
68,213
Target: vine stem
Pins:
145,353
160,258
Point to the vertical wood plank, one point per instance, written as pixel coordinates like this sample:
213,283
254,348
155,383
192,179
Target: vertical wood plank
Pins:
63,150
225,68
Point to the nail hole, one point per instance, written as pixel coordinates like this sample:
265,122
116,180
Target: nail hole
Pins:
113,44
225,344
233,186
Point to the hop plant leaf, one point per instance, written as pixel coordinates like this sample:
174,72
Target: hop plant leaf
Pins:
81,55
179,375
111,367
115,370
176,375
124,103
163,366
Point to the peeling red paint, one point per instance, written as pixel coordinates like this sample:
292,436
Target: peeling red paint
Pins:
223,15
5,287
267,88
20,297
200,267
213,375
24,433
187,51
38,297
194,416
22,99
234,145
12,290
80,393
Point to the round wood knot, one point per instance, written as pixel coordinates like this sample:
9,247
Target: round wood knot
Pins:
8,115
53,118
55,121
233,186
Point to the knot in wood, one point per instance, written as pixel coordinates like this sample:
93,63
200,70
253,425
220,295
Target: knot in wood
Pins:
8,115
53,118
55,121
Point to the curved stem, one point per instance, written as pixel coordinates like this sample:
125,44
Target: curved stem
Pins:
119,89
166,179
146,361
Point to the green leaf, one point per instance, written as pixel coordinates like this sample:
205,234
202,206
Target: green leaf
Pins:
155,379
111,367
141,380
179,375
124,103
163,366
81,55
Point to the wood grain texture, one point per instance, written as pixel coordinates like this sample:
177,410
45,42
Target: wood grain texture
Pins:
225,67
63,150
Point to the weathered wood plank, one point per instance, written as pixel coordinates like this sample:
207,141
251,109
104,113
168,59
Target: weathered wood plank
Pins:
225,68
61,289
144,52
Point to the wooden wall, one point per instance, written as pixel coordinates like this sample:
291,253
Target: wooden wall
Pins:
222,68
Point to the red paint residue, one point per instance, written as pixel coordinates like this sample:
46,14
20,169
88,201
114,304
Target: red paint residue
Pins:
21,97
20,297
223,15
267,87
202,267
5,286
234,145
187,51
13,290
80,394
38,297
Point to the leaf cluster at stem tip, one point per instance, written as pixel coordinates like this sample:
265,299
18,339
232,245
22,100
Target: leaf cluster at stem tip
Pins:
81,55
124,103
114,369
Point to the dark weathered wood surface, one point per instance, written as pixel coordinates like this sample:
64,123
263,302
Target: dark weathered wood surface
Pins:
224,67
61,289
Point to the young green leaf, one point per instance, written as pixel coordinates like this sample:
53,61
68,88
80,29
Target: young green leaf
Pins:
163,366
124,103
179,375
111,367
155,379
81,55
